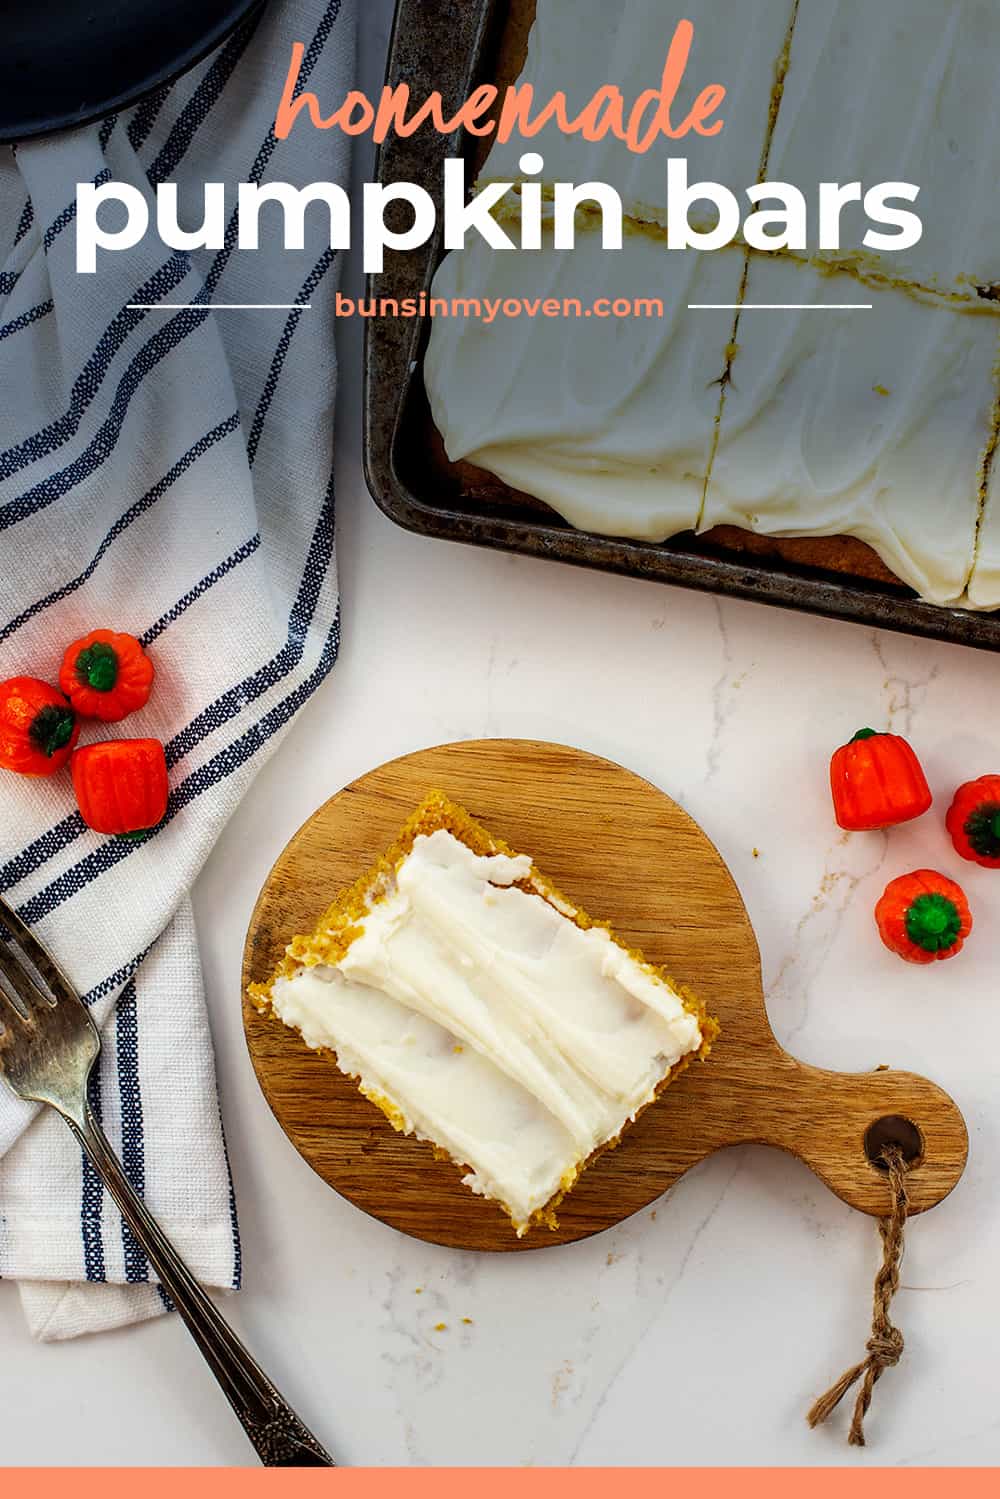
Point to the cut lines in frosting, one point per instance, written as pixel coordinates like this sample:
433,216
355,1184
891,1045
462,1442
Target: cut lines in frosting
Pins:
964,292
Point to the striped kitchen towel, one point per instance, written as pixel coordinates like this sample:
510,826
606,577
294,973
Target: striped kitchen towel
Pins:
167,472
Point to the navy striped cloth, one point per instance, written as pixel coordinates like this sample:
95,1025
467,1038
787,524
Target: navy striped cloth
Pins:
166,472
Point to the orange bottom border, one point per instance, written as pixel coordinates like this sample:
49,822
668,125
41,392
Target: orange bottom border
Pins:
870,1482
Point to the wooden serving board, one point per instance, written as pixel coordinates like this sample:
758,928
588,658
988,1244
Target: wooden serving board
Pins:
628,854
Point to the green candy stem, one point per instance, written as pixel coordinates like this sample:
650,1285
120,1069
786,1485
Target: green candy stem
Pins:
52,729
982,828
97,666
865,734
138,834
933,922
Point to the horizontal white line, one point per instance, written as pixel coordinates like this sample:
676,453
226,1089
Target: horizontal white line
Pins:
218,306
780,306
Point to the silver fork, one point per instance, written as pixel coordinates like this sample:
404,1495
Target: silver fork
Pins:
48,1045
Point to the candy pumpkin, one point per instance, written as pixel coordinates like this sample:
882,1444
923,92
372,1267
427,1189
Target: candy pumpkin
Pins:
106,675
923,917
973,821
121,785
38,727
877,781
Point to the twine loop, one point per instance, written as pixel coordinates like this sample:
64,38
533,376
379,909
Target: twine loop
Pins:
885,1346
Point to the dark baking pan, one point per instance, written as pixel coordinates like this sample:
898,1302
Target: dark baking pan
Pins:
450,45
64,62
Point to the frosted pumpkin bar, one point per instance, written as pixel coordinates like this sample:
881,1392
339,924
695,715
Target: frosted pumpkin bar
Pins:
483,1012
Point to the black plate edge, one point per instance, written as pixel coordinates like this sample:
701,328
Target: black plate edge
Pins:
242,10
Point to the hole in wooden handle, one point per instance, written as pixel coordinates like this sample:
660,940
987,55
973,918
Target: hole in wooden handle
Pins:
893,1129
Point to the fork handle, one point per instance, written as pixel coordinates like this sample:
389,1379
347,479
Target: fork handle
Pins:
280,1438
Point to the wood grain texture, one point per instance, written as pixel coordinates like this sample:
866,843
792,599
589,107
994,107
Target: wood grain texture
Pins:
628,854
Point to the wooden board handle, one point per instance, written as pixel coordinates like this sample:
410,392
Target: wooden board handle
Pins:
837,1122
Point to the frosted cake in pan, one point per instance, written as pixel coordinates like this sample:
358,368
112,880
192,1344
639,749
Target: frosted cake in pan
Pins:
579,46
874,424
879,424
576,417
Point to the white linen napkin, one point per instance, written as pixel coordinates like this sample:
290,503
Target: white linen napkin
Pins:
167,473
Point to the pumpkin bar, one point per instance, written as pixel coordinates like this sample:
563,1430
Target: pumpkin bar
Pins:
483,1012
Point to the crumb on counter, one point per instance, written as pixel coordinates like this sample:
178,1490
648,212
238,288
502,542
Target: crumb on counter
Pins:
880,390
755,852
467,1321
440,1327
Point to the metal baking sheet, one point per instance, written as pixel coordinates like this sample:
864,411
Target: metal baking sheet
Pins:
451,45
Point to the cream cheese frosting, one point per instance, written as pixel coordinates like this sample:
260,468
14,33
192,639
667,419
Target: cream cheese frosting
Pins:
900,91
490,1023
874,423
984,584
610,421
580,46
865,423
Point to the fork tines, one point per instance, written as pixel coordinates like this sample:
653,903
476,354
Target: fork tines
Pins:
28,976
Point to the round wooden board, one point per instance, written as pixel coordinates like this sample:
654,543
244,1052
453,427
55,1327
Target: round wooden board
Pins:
629,855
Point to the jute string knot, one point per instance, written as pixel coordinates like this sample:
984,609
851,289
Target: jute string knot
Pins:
885,1346
887,1351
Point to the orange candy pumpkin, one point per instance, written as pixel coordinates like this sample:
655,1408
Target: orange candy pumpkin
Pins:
106,675
973,821
121,785
38,727
877,781
923,917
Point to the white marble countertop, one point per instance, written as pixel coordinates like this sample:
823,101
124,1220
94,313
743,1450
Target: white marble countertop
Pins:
699,1335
